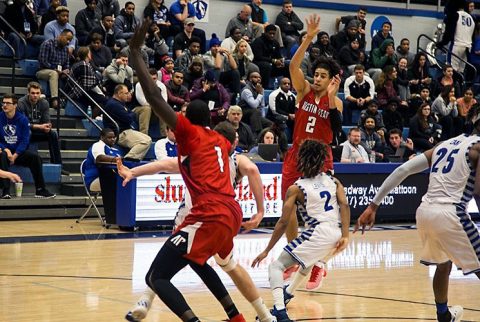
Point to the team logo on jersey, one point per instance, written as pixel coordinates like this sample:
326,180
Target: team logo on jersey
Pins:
177,240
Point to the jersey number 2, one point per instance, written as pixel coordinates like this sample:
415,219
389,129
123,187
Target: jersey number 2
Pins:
328,196
219,158
310,124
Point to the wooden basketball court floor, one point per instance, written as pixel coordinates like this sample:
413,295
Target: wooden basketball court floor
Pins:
57,270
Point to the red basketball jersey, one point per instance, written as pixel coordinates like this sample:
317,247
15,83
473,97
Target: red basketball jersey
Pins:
203,158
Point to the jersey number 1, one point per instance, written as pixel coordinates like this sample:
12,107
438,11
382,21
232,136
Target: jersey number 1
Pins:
219,158
310,124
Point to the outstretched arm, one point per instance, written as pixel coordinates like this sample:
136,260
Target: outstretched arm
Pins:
344,217
168,165
152,92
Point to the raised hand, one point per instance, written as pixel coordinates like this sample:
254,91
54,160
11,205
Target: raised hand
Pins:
334,85
313,25
136,42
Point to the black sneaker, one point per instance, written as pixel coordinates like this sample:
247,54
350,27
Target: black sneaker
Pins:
44,193
65,172
6,196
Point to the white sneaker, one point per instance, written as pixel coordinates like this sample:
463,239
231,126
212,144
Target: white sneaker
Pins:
456,312
140,310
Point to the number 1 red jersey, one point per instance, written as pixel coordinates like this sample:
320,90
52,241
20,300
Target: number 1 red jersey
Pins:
312,121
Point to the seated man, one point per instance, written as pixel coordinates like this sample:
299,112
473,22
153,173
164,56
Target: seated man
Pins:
166,147
353,151
36,109
289,23
86,20
183,61
118,72
359,89
182,39
55,27
178,95
106,31
136,141
125,24
14,140
6,178
246,139
397,150
252,103
282,101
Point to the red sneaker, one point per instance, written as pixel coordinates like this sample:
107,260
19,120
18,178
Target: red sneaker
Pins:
238,318
316,278
289,271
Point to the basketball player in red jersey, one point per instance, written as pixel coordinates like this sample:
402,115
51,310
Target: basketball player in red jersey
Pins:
215,216
318,116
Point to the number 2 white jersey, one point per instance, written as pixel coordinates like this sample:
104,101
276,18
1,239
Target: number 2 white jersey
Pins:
451,175
320,194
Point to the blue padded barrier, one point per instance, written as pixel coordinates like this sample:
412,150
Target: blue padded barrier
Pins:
51,173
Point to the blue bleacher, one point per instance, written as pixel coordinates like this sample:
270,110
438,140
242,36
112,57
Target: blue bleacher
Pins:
51,173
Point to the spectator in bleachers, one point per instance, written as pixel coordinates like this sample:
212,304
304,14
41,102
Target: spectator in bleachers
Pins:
41,7
289,23
243,22
252,102
418,74
101,152
353,151
345,20
359,89
372,111
54,63
143,110
54,28
282,101
326,48
387,87
125,24
109,8
246,139
86,20
449,77
136,141
160,16
167,147
84,74
178,94
183,39
220,60
474,57
118,72
209,90
166,72
307,63
470,9
384,55
106,31
267,56
260,22
267,136
392,118
396,149
402,79
14,140
424,131
349,56
36,109
444,107
101,54
293,50
230,43
183,61
418,99
371,140
22,19
344,37
194,72
180,10
382,35
403,51
50,14
147,53
157,44
465,103
244,64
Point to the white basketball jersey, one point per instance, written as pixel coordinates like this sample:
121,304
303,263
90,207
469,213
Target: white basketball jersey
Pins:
451,174
320,194
464,30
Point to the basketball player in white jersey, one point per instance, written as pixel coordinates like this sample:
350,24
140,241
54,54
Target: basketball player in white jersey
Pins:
322,203
240,166
447,232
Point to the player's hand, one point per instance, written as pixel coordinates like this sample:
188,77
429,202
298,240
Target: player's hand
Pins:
123,172
253,222
313,25
259,258
334,85
341,245
136,42
366,219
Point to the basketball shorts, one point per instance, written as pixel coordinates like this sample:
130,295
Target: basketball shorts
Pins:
448,234
315,244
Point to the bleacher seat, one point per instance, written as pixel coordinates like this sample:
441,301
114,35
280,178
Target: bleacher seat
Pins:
92,130
51,173
71,110
45,86
30,68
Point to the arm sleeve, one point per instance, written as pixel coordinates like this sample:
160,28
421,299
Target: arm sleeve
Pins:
412,166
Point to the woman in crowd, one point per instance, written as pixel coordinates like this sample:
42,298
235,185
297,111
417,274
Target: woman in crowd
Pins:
402,79
266,136
194,72
424,130
245,65
444,107
387,88
448,78
418,74
101,54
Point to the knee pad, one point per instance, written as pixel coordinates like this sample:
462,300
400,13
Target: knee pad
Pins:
227,264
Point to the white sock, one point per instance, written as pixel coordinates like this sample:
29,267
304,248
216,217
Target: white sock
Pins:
298,278
261,309
278,300
148,295
141,308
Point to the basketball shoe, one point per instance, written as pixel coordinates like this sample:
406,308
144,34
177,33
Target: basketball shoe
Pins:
316,278
455,312
140,310
237,318
286,296
289,271
281,315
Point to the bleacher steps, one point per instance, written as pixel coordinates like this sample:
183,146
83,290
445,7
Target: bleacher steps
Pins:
72,178
72,166
73,133
72,189
66,154
77,144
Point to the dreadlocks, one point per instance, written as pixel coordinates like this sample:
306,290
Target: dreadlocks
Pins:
311,157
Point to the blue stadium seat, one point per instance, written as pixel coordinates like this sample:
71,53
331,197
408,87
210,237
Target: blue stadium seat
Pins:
91,129
51,173
71,110
30,68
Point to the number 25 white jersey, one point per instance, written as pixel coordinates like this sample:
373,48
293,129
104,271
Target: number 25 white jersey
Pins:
451,174
320,194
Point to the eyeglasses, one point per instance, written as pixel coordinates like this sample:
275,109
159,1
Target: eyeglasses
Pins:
7,103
